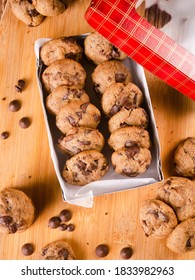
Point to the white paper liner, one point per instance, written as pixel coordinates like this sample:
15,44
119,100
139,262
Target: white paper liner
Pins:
111,182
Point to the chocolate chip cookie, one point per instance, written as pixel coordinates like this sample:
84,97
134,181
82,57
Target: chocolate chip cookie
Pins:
59,48
57,250
129,117
128,136
157,218
119,96
63,72
179,193
182,238
17,211
85,167
63,95
80,139
108,73
50,7
131,161
26,12
98,49
76,114
184,157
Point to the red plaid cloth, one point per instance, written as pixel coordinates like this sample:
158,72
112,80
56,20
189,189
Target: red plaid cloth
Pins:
118,21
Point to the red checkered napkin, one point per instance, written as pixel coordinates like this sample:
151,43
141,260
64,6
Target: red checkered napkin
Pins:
118,21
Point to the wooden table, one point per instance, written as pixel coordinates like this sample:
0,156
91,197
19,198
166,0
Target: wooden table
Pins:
25,161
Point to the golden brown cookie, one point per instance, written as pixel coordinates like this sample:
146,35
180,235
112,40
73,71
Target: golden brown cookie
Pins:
63,72
131,161
129,136
179,193
182,238
184,157
80,139
108,73
26,12
59,48
157,218
17,211
129,117
50,7
119,96
76,114
63,95
85,167
57,250
98,49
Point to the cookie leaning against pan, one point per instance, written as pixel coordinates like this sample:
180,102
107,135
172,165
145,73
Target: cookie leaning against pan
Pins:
85,167
98,49
59,48
63,72
76,114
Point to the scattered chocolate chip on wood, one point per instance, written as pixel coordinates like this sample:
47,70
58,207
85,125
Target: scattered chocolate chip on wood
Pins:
70,227
102,250
65,215
4,135
20,85
14,105
54,222
126,253
27,249
24,122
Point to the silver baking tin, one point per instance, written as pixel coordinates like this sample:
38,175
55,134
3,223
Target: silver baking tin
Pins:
111,182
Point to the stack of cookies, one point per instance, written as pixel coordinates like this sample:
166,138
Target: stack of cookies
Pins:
33,12
76,117
171,214
121,102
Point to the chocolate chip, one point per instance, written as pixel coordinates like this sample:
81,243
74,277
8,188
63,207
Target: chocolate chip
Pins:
102,250
71,120
132,151
64,253
5,220
54,222
70,227
126,253
114,110
14,105
33,13
84,106
27,249
96,117
24,122
120,77
63,227
65,215
4,135
12,228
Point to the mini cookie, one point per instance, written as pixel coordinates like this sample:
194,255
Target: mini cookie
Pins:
26,11
118,96
98,49
50,7
85,167
57,250
184,157
56,49
62,95
129,136
131,161
182,238
63,72
76,114
108,73
129,117
179,193
157,218
17,211
80,139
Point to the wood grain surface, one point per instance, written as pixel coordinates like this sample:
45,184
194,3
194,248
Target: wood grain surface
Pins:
25,161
